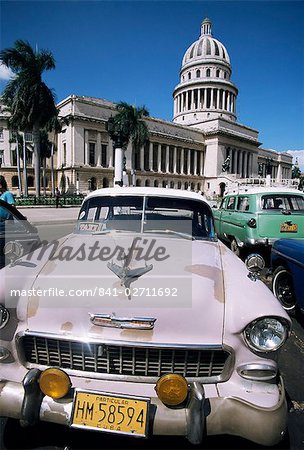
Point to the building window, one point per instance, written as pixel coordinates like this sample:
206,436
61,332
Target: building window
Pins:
30,181
189,76
208,72
15,182
163,158
14,157
146,156
105,183
179,185
198,73
1,134
147,183
92,154
138,183
218,73
93,184
104,149
171,156
156,183
155,157
64,154
225,75
178,160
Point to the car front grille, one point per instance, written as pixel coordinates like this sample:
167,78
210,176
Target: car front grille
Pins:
130,361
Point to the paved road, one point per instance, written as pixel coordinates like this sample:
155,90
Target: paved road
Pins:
41,215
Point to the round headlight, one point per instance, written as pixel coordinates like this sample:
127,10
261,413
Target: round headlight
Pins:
172,389
54,382
4,316
266,334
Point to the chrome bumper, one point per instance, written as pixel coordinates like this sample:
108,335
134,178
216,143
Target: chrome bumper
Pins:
213,416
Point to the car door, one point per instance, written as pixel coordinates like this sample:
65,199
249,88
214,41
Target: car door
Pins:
15,228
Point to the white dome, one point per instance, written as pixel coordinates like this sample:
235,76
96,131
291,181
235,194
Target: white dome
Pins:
206,47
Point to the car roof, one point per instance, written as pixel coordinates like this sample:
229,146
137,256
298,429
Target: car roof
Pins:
143,191
264,190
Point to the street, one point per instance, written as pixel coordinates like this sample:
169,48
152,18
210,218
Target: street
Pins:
291,363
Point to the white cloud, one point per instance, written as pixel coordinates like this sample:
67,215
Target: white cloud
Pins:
297,155
5,73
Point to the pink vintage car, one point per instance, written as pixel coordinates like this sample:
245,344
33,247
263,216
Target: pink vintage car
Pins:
142,323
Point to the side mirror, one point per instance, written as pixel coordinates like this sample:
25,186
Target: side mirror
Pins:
255,263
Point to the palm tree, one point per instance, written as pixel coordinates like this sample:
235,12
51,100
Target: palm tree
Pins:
128,124
54,126
45,152
30,102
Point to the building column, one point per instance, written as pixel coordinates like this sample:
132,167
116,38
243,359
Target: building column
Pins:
159,158
235,165
98,149
86,147
182,161
199,99
205,98
142,158
245,165
202,164
187,100
110,154
195,163
189,161
167,158
151,156
211,98
174,159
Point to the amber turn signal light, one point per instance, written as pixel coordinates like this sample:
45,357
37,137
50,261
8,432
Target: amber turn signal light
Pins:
172,389
54,382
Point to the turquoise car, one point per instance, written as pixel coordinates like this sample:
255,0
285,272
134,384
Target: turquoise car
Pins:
252,219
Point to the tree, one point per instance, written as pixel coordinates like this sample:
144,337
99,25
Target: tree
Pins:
45,152
29,100
128,124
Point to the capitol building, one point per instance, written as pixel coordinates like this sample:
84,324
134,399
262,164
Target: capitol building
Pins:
203,149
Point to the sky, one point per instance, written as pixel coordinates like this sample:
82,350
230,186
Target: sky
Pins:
132,51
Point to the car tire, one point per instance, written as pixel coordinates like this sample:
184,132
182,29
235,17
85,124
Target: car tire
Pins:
235,248
282,287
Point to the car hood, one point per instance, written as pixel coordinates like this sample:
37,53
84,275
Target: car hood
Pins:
180,286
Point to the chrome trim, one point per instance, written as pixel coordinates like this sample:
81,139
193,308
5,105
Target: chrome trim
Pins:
4,316
195,415
258,351
110,320
224,376
256,366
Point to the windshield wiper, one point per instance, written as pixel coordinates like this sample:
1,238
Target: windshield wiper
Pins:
177,233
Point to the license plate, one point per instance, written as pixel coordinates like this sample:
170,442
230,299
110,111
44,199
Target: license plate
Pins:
289,228
111,413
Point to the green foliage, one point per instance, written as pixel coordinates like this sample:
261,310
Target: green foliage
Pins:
130,122
296,172
30,102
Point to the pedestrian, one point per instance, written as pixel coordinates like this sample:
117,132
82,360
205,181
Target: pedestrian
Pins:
5,194
57,197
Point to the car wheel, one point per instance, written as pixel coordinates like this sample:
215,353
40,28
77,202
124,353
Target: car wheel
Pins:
282,287
235,248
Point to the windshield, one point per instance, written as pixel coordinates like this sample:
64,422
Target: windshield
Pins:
179,216
283,202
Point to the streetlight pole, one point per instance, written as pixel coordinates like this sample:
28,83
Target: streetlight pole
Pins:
119,136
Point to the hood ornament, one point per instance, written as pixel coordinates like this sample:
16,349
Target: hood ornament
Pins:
110,320
127,275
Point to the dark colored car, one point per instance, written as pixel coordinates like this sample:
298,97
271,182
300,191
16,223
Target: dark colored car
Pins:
287,258
14,228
